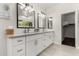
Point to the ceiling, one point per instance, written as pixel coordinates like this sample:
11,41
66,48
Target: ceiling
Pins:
45,5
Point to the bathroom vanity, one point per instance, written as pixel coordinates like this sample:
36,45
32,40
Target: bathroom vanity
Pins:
29,44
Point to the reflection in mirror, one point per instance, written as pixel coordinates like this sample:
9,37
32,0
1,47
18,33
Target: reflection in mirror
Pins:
25,16
41,20
50,23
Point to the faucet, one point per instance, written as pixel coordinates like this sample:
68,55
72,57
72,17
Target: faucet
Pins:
26,31
36,30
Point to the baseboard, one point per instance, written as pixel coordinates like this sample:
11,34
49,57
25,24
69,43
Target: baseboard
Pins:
57,43
77,47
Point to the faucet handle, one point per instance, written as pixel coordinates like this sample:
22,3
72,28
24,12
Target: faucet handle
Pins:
36,30
26,30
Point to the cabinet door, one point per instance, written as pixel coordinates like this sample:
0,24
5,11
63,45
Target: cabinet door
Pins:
33,45
47,39
40,45
50,36
31,48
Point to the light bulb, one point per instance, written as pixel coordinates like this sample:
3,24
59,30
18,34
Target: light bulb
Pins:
22,6
50,19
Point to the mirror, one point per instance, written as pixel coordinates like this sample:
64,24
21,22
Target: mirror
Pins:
25,16
41,20
50,23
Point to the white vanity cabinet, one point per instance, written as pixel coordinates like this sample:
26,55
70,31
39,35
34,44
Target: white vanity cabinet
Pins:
31,46
47,39
50,36
28,44
40,45
35,44
16,46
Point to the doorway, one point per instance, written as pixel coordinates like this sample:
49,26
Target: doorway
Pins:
68,29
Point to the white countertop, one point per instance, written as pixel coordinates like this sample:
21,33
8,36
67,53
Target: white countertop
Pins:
27,34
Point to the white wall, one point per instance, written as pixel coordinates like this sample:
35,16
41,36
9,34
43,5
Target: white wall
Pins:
62,8
56,12
3,25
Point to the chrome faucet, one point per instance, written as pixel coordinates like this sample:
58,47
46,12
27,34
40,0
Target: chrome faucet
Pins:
26,31
36,30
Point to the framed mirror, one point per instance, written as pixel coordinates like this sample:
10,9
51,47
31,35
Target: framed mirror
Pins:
25,16
41,21
50,23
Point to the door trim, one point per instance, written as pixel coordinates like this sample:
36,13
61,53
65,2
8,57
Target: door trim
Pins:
62,25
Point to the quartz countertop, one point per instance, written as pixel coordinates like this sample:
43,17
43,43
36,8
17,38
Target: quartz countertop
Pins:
28,34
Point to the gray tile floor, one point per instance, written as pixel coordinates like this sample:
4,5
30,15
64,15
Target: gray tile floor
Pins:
60,50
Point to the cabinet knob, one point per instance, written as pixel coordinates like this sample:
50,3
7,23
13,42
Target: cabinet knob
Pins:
19,41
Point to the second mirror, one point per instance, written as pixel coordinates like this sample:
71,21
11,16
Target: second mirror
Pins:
41,20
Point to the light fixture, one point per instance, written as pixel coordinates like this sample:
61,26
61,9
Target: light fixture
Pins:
50,18
22,5
28,7
41,15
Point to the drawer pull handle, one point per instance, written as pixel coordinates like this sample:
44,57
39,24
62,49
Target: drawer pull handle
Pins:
19,40
19,50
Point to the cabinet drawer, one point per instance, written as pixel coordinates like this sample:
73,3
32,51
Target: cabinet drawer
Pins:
30,38
19,50
18,41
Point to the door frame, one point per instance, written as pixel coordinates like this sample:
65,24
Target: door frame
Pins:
62,25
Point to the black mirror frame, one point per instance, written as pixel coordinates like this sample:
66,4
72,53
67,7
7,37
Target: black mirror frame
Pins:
38,21
17,19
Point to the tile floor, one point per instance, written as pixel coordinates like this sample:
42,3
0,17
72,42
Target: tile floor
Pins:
60,50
